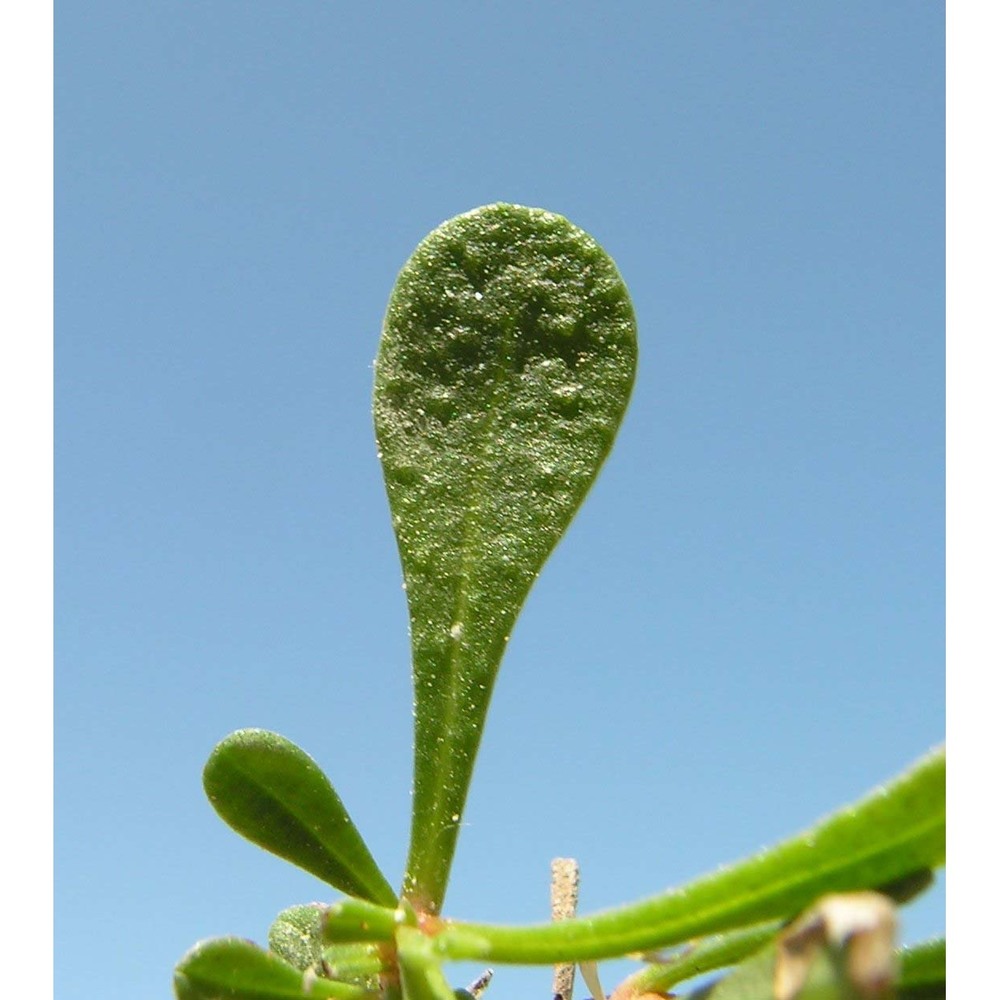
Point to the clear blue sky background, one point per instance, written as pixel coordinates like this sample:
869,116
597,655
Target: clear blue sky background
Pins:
744,625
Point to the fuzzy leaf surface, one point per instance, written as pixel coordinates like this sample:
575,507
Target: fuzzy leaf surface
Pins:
896,831
506,362
274,794
297,936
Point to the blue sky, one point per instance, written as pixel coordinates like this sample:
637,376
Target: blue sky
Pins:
745,624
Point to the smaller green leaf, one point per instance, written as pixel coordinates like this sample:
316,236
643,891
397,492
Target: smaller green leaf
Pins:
234,969
275,795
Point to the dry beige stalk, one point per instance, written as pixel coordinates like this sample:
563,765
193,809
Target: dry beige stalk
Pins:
565,893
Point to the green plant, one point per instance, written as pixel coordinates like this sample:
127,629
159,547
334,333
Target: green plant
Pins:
507,359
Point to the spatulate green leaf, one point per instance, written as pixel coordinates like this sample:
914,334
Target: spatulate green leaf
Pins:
506,362
895,832
276,796
234,969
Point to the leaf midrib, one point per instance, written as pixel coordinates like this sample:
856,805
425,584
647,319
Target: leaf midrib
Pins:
348,879
470,526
